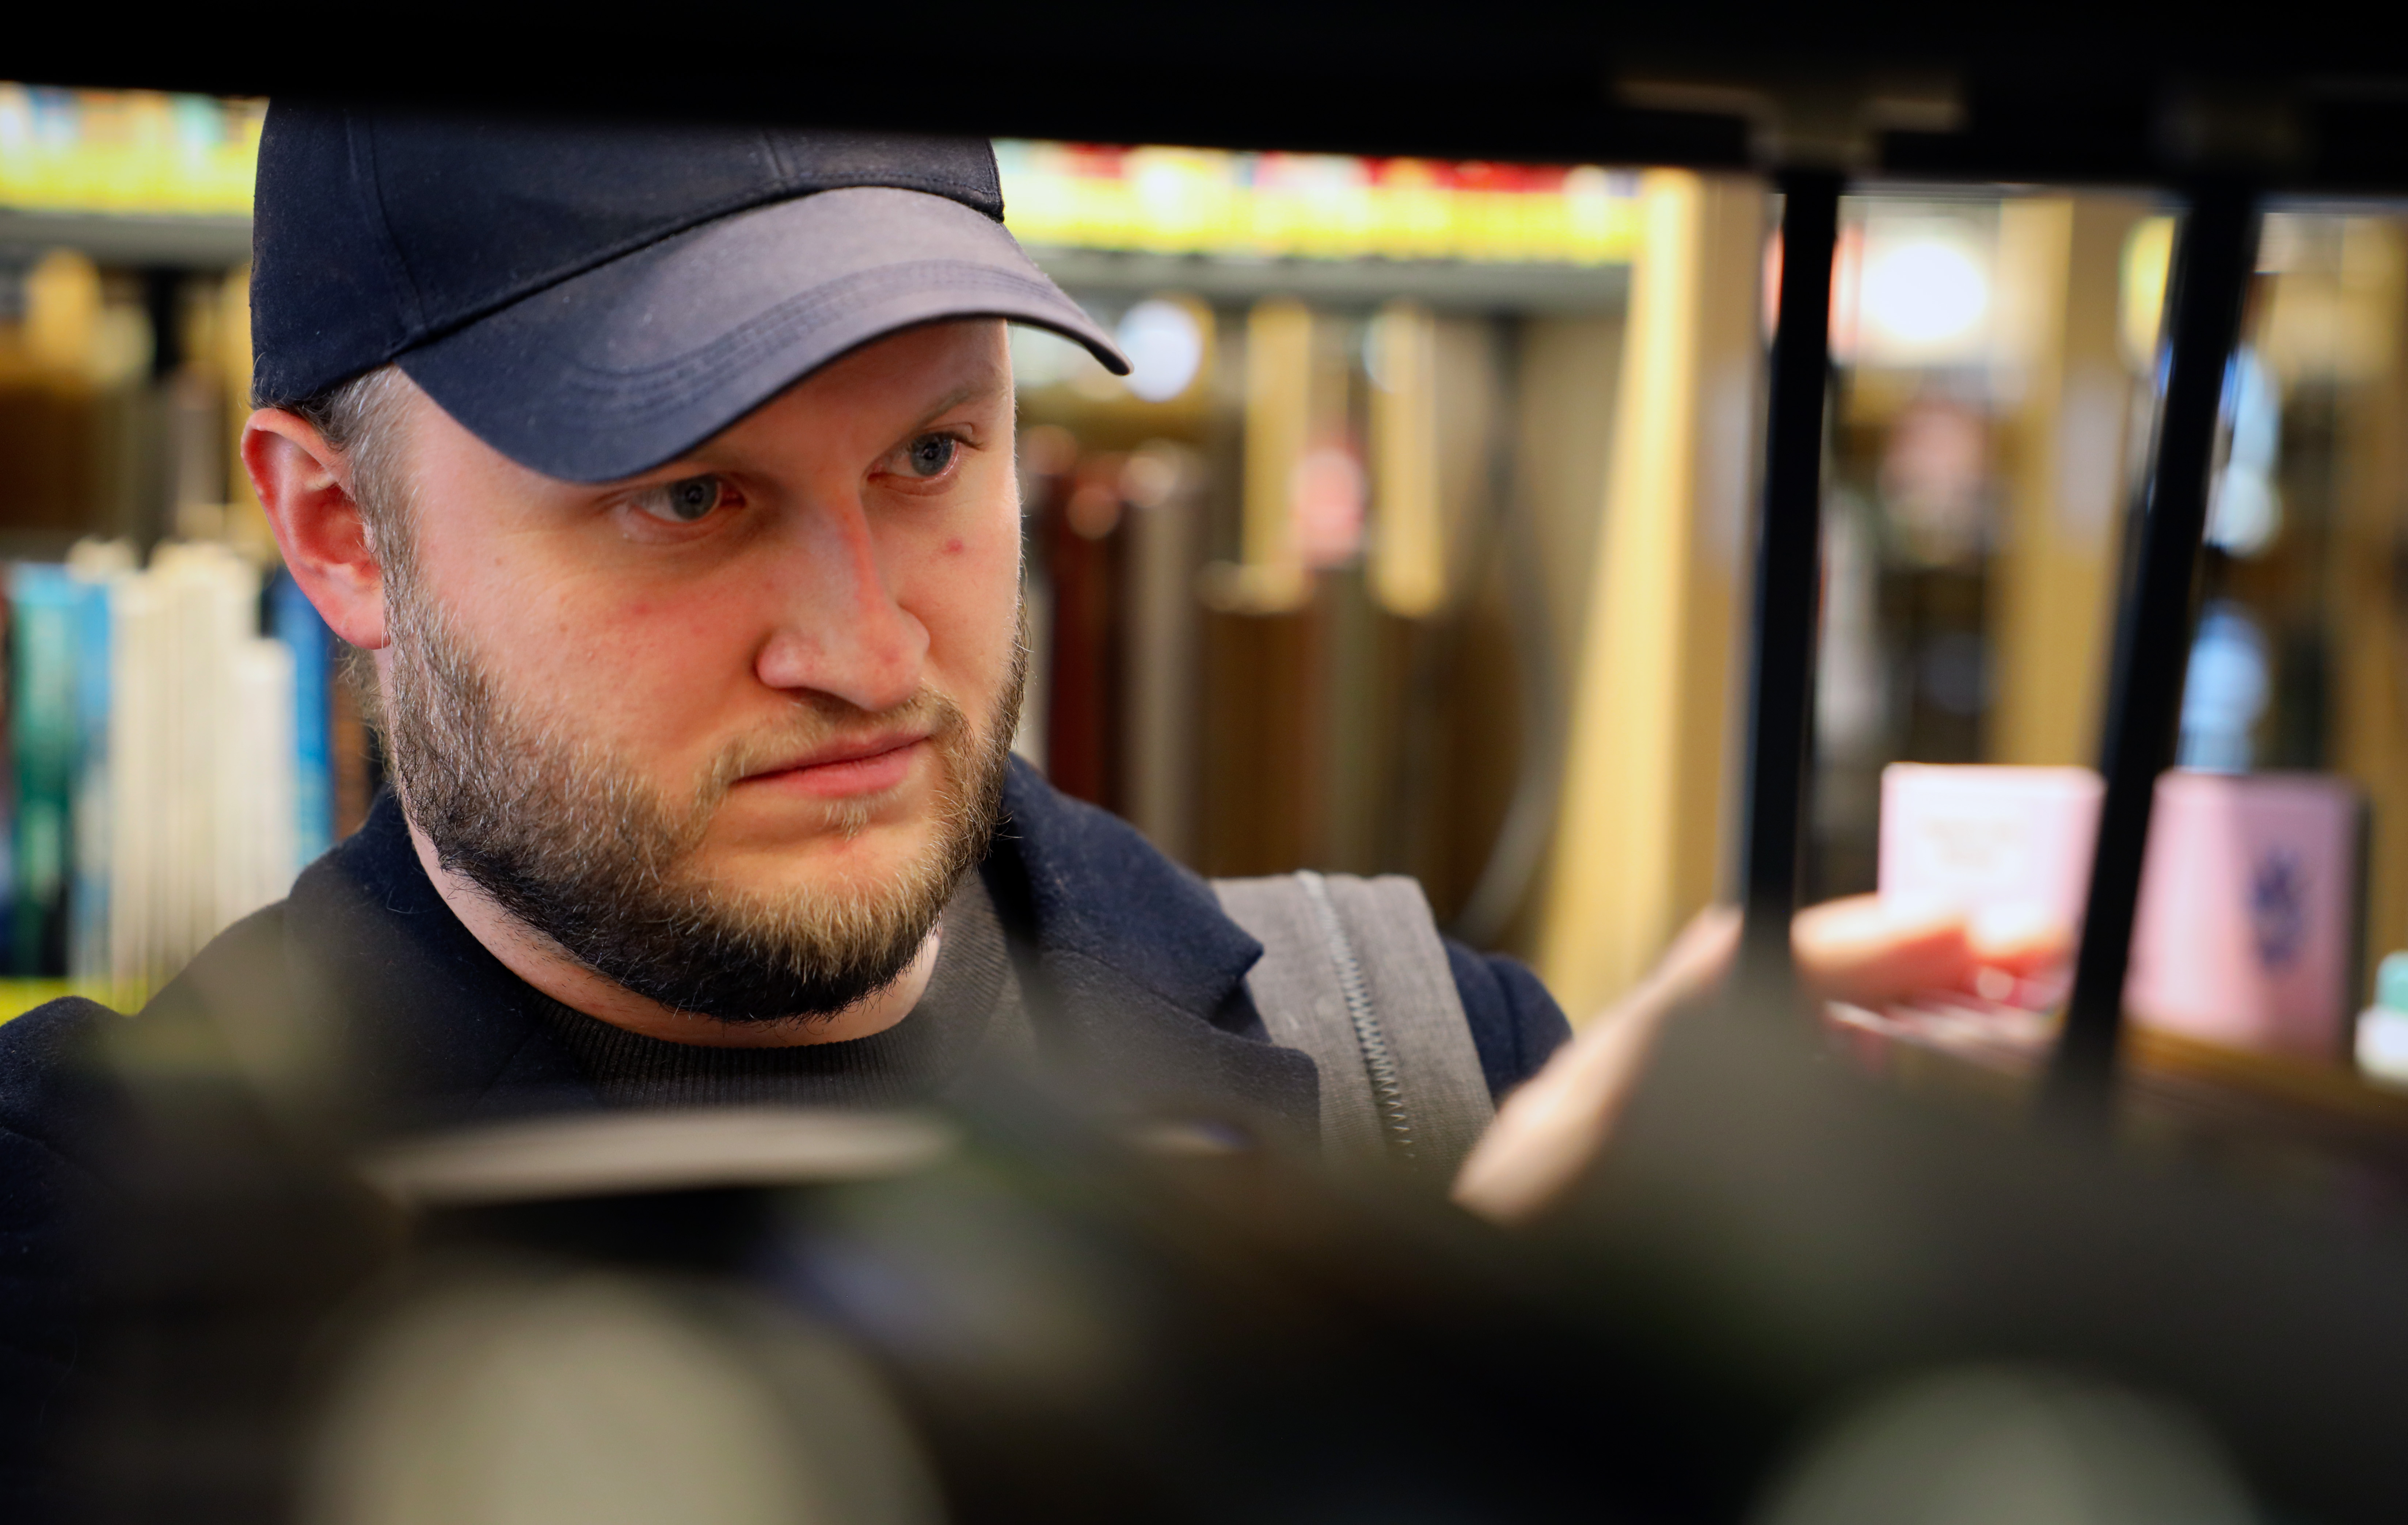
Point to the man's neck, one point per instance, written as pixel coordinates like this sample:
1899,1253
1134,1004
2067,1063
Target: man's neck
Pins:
542,963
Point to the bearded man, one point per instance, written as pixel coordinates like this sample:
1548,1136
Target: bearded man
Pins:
665,477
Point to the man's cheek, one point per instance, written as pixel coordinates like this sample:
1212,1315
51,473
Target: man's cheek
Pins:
972,581
639,680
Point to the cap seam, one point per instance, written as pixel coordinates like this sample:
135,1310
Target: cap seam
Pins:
994,172
777,160
361,134
761,332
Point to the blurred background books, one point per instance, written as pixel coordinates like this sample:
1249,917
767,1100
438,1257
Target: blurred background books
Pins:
172,764
1415,543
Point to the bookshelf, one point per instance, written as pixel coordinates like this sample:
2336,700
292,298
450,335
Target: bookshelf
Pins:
1254,701
169,699
172,759
1233,648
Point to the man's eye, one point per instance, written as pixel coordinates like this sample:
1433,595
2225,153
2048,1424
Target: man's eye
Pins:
684,501
930,454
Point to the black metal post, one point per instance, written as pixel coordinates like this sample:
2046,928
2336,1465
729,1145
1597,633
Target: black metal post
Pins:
1788,582
2213,255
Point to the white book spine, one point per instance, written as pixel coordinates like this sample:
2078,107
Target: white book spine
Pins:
135,720
262,745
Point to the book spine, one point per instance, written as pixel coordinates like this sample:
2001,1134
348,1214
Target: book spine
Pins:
296,623
141,780
8,778
89,890
1082,689
259,732
1160,687
43,739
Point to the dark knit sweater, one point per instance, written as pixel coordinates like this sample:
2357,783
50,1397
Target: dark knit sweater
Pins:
971,1008
1134,987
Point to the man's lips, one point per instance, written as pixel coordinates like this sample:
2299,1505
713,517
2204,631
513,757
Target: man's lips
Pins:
849,767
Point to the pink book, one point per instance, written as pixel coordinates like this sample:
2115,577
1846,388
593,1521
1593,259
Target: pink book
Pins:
2248,900
1989,841
2249,893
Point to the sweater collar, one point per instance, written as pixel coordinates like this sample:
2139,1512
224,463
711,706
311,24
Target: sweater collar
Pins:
1127,953
438,1029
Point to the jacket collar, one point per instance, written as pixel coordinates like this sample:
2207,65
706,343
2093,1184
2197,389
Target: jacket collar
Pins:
1140,974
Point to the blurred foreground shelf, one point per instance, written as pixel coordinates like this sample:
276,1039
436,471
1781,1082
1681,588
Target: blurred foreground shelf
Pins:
2319,1129
1445,285
19,996
177,240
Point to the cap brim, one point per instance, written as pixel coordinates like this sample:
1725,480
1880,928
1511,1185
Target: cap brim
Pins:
637,361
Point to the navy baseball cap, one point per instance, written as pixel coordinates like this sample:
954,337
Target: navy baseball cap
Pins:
594,298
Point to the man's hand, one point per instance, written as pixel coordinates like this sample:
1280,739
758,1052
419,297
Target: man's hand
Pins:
1870,951
1857,950
1548,1130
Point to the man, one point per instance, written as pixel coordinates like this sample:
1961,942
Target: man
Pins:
665,476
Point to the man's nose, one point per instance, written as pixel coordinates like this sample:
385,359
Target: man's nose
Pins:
840,630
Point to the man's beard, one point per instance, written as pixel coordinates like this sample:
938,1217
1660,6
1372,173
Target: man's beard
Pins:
570,839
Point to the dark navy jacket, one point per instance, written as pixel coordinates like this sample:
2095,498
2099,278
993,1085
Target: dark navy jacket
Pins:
1141,978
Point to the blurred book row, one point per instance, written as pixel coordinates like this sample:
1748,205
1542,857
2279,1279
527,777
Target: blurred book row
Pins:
147,153
176,753
1295,581
1416,541
127,151
1314,206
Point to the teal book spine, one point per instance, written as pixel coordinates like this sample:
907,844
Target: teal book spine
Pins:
42,736
88,893
293,620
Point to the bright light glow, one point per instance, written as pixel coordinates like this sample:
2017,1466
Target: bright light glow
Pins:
2244,508
1924,294
1165,345
2226,689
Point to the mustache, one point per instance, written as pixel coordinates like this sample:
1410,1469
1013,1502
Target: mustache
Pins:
819,719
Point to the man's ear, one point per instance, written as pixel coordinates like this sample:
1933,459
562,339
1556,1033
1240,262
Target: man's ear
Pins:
306,489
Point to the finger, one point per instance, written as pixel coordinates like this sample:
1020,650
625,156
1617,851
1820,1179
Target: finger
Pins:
1550,1129
1858,926
1867,951
2022,939
1702,955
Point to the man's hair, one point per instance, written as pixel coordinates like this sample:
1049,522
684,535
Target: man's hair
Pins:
359,417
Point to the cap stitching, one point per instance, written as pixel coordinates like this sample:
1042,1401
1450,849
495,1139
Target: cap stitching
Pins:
777,160
360,136
767,331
